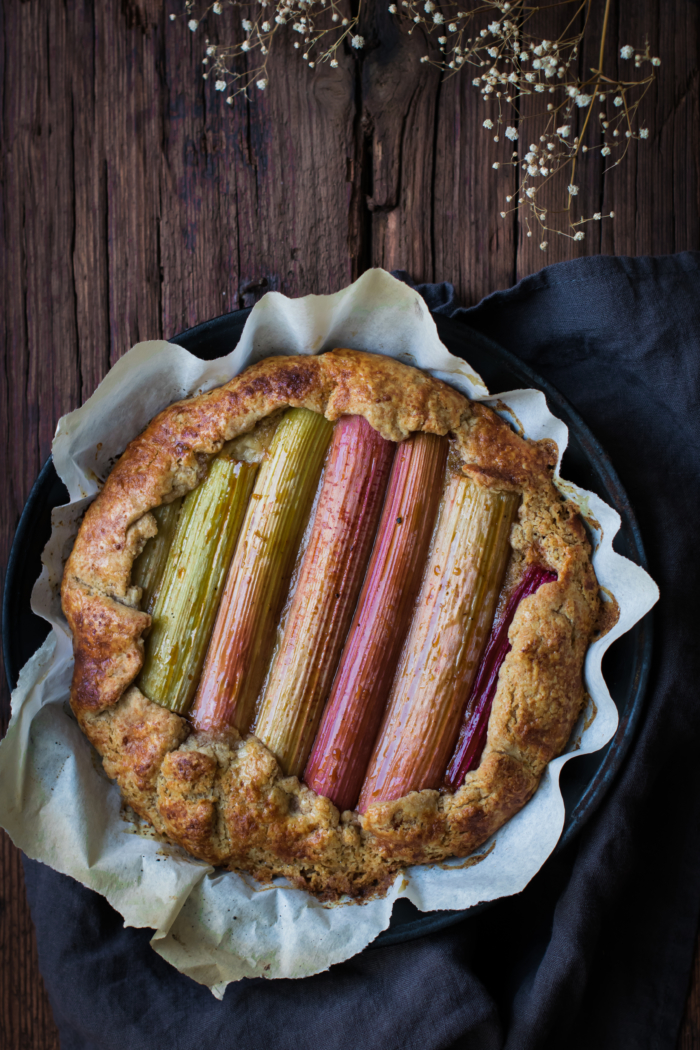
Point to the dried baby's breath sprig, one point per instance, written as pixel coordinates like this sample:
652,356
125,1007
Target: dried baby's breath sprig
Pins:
587,111
320,28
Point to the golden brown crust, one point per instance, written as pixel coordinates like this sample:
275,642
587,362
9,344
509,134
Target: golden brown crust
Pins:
225,799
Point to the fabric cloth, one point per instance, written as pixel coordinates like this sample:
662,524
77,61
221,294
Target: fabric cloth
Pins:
597,950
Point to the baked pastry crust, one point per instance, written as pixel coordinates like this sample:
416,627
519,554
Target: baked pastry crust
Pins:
224,798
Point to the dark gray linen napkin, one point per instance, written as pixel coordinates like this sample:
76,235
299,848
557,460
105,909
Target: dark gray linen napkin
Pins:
596,951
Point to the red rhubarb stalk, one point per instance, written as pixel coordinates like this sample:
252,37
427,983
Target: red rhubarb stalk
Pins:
338,762
472,736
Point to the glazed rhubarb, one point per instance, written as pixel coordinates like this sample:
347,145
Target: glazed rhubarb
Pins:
149,567
201,551
330,577
472,735
453,617
351,719
260,574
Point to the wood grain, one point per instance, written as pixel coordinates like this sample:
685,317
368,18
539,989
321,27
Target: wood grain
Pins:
136,203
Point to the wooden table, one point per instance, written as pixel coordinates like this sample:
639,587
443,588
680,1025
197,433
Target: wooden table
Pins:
136,204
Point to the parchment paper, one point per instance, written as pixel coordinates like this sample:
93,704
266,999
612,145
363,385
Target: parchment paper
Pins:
57,803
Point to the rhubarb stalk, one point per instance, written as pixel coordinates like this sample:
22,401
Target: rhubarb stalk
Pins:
195,571
472,735
449,630
258,580
330,577
338,761
149,567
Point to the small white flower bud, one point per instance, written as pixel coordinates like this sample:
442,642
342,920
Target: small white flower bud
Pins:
573,190
543,246
626,51
261,84
605,152
192,24
656,61
618,100
512,134
220,85
393,9
495,165
644,133
597,216
488,124
579,236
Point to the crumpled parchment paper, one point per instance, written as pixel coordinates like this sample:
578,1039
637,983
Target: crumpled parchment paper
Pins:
55,800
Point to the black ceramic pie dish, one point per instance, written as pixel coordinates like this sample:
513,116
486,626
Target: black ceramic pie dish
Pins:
584,781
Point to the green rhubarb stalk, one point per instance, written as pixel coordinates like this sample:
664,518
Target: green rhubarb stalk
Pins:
149,567
184,612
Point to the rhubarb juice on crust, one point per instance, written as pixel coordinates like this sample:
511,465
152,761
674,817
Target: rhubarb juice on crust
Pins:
329,620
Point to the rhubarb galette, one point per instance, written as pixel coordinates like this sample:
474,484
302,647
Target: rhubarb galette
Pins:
329,620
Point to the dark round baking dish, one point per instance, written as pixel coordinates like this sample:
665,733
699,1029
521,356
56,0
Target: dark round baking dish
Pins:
584,781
